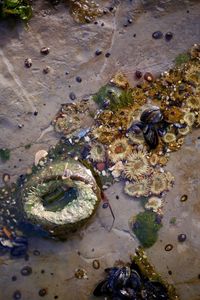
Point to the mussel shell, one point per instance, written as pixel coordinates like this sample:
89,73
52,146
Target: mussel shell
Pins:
101,289
126,293
118,279
136,127
155,291
151,115
134,281
151,137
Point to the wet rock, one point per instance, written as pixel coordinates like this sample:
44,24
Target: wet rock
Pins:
17,295
157,35
42,292
72,96
44,50
182,237
168,36
96,264
26,271
28,63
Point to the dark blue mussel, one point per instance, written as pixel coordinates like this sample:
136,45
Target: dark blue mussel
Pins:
151,115
154,290
151,136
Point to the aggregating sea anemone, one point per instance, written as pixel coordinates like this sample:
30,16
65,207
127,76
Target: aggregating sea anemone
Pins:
138,188
119,150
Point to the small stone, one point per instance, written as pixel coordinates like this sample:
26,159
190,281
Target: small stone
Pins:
130,21
100,166
157,35
79,79
107,54
14,278
20,126
46,70
182,237
44,50
28,63
168,247
17,295
35,113
72,96
168,36
36,252
98,52
25,271
138,74
148,77
184,198
96,264
6,177
29,171
42,292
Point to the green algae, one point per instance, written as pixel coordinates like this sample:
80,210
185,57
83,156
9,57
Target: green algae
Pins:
146,228
18,8
4,154
182,59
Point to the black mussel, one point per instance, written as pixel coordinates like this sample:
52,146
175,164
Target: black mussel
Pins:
155,291
117,279
151,115
134,281
18,251
151,137
126,293
101,289
136,127
21,240
111,271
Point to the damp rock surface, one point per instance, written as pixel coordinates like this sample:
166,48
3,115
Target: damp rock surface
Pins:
27,90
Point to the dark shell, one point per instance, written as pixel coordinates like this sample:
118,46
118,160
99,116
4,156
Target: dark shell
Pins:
182,237
101,289
151,116
151,137
18,251
134,281
17,295
155,291
126,293
25,271
168,36
168,247
157,35
136,127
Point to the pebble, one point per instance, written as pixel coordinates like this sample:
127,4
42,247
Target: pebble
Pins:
184,198
138,74
36,252
157,35
168,36
98,52
42,292
182,237
28,63
46,70
78,79
6,177
100,166
168,247
96,264
72,96
29,171
148,77
26,271
107,54
17,295
44,50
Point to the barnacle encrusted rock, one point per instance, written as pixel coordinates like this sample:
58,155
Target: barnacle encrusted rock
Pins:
61,197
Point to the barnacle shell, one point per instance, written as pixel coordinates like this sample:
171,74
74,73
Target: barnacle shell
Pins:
137,188
154,159
192,73
104,134
117,169
154,203
169,137
163,160
120,80
184,131
173,114
195,51
159,183
193,102
137,166
119,150
97,152
189,118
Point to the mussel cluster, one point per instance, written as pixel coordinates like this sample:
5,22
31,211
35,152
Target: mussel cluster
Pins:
128,282
152,125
